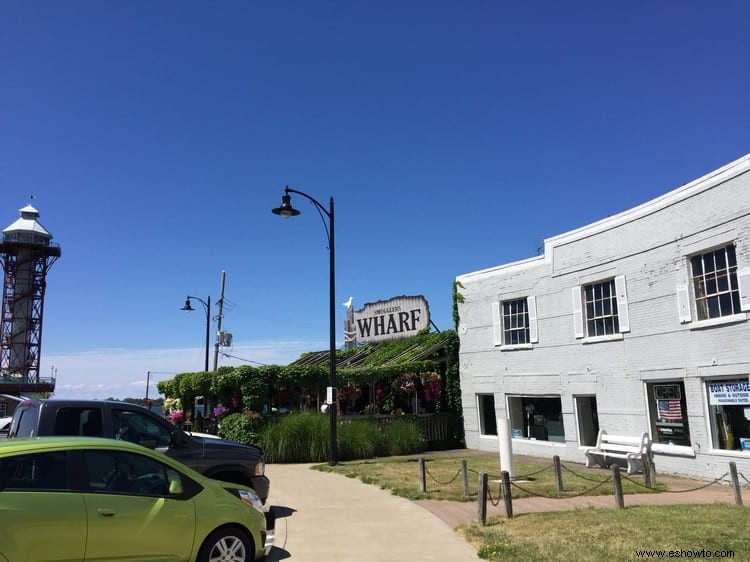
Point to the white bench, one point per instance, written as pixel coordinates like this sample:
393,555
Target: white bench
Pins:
634,449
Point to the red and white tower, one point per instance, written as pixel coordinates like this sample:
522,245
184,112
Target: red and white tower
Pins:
26,254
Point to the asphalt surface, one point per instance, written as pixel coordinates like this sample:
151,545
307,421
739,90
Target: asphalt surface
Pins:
323,516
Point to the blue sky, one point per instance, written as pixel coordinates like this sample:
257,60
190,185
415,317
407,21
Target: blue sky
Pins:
454,136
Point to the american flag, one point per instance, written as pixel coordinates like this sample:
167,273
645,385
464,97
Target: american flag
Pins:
669,410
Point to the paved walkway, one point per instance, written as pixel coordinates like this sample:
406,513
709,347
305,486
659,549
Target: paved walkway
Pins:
328,517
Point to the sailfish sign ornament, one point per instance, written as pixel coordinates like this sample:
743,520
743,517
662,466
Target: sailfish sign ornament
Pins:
395,318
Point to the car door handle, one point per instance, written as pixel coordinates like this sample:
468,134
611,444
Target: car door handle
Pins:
106,512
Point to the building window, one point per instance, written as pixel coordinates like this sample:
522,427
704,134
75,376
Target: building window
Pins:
514,322
668,413
714,281
729,407
536,417
600,309
487,421
600,304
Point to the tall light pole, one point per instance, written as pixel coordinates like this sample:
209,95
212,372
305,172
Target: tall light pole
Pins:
286,210
207,306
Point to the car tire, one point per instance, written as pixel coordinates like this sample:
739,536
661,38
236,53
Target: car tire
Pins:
227,544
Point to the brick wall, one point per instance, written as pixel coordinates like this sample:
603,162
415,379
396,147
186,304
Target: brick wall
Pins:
649,245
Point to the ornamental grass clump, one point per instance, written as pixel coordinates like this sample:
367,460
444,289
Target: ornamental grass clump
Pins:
360,440
404,437
298,437
303,437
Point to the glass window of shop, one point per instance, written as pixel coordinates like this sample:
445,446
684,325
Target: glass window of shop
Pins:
536,417
668,413
729,408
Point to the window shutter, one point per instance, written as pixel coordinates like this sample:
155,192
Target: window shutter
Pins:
533,331
683,303
577,312
497,324
743,279
623,318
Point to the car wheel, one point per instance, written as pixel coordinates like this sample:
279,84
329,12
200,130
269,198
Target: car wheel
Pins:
229,544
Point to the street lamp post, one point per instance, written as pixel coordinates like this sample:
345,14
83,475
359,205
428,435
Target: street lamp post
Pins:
207,306
286,210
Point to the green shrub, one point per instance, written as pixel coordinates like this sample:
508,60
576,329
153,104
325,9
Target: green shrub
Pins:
403,437
240,428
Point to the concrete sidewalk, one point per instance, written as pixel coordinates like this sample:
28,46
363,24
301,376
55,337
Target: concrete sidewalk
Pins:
328,517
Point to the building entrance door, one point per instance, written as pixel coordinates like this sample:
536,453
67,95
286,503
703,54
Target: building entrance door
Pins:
588,420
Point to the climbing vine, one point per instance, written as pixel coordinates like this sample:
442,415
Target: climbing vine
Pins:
422,357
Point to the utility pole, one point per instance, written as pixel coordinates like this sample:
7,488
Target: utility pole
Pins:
218,319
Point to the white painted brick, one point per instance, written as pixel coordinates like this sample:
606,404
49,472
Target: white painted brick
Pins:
649,245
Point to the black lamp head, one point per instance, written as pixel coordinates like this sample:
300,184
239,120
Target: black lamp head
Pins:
286,210
187,305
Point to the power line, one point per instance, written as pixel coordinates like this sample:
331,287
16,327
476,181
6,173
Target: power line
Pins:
243,359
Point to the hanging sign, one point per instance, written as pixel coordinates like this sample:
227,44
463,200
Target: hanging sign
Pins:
730,393
396,318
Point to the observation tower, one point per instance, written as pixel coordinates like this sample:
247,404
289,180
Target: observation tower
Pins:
26,254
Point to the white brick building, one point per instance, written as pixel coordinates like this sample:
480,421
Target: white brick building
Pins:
638,322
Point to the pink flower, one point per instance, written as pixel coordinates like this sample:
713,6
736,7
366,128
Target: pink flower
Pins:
175,416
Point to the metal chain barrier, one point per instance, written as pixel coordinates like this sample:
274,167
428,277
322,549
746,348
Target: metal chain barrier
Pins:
624,477
491,476
522,477
601,483
579,476
427,471
499,497
530,474
719,479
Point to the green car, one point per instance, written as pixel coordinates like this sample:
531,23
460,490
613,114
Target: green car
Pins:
86,498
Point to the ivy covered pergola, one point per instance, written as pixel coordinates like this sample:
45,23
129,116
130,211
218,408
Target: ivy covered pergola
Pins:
412,375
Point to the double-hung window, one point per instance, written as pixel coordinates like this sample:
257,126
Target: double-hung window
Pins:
514,322
601,309
718,288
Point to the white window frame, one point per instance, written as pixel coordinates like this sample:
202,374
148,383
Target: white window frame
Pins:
686,301
498,326
579,313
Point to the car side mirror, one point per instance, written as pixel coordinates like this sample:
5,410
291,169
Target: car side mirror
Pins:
177,439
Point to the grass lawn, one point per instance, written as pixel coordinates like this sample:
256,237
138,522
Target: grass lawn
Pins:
444,479
694,531
707,531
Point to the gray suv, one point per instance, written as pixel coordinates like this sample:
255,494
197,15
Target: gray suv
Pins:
215,458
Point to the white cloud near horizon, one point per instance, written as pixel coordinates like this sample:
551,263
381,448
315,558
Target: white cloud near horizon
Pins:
122,373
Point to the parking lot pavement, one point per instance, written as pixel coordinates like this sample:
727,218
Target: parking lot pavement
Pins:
328,517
